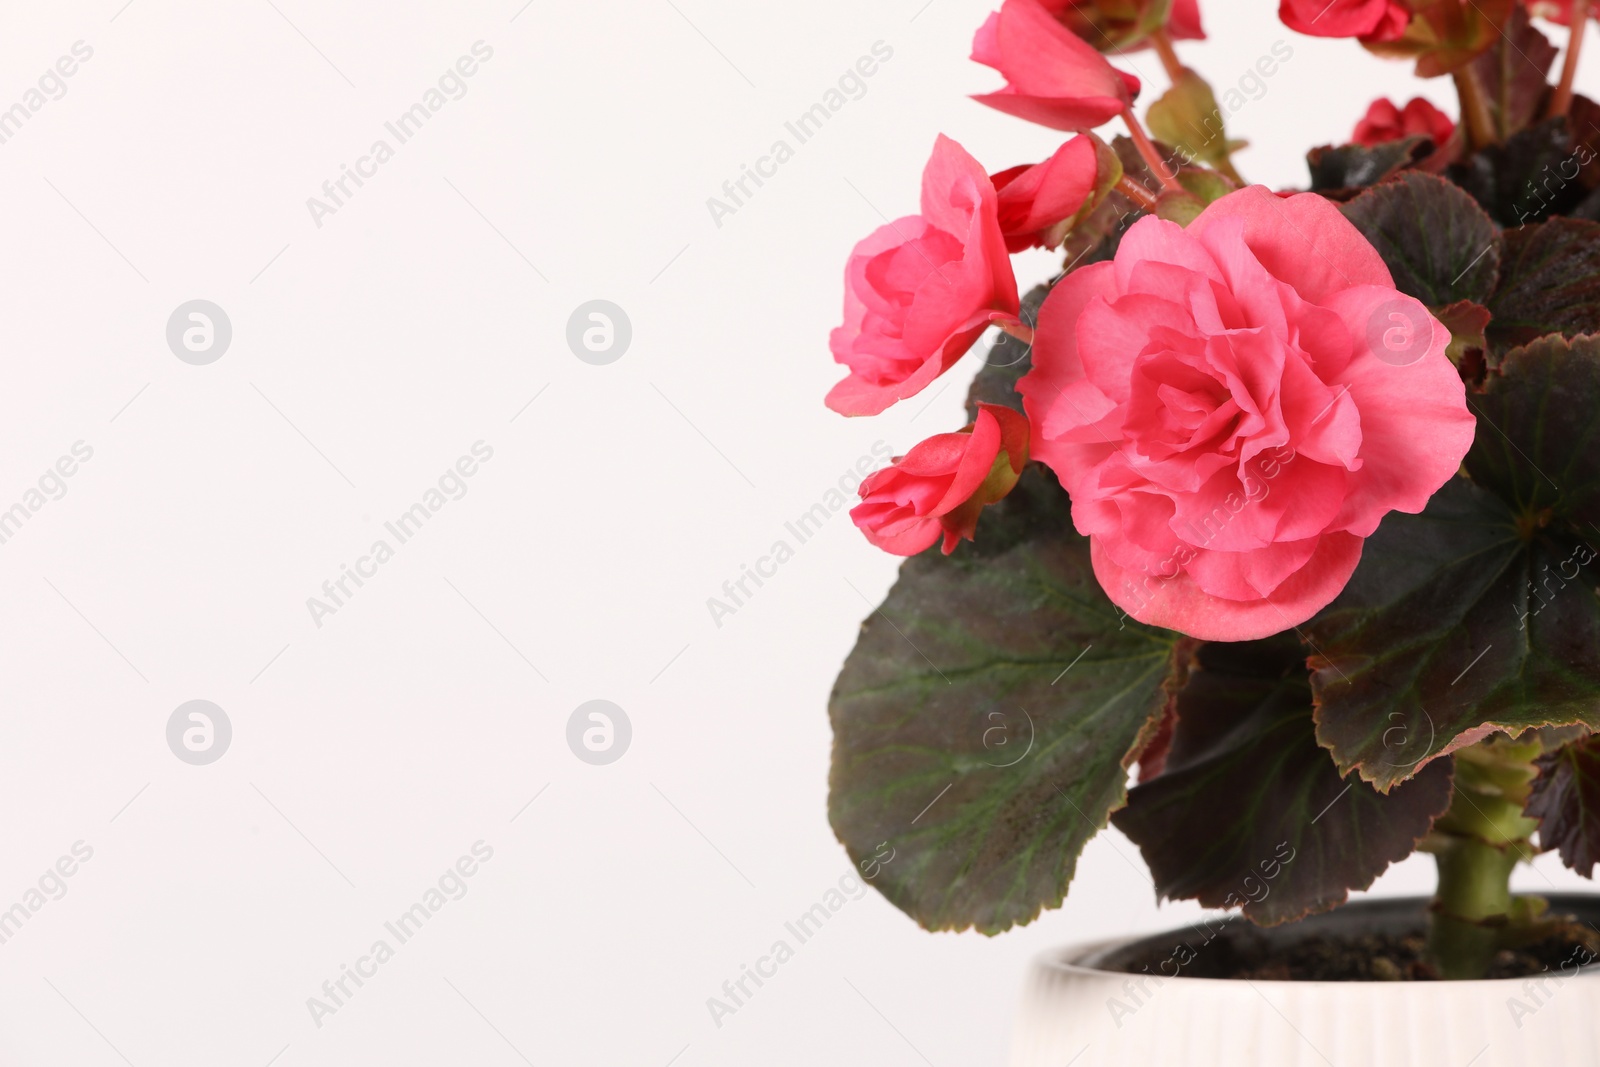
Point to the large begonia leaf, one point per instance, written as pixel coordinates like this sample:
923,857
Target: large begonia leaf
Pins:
985,722
1549,282
1534,174
1435,239
1342,171
1514,74
1482,611
1251,812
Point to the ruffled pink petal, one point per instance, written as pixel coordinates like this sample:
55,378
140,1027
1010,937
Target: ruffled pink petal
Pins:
858,396
1254,298
1337,18
1111,338
1034,199
1184,23
955,188
905,536
1039,56
1392,26
1250,363
1154,240
1323,421
1302,239
976,460
918,294
1067,114
1249,575
1180,604
1053,77
1416,410
1063,406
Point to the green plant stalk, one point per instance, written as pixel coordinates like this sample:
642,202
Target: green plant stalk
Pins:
1476,844
1475,114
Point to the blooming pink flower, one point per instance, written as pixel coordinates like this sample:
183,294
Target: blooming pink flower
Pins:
1235,406
1052,77
1113,25
1039,201
942,484
1184,22
922,289
1370,20
1385,122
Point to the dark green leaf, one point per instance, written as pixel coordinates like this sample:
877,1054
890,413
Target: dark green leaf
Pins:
1187,117
1179,206
1250,812
1446,36
1538,443
1340,172
1583,119
1514,73
1531,177
971,741
1549,282
1457,619
1437,241
1566,801
1207,186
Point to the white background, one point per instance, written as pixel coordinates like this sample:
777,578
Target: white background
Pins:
368,354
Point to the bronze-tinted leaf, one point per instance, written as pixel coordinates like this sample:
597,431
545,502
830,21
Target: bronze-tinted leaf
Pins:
984,724
1566,801
1340,172
1250,812
1458,619
1549,282
1535,174
1514,73
1438,243
1538,442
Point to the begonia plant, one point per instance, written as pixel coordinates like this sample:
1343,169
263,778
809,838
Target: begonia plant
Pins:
1279,502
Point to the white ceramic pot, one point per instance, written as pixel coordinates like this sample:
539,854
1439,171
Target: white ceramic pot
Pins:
1075,1013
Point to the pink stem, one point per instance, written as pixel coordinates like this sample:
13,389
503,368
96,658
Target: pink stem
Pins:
1018,329
1147,149
1561,100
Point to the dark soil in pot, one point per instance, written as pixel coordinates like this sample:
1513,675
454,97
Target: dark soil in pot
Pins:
1370,941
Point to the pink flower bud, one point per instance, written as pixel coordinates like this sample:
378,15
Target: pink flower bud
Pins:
941,486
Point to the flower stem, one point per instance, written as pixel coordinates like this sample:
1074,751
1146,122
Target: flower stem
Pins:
1476,844
1561,99
1018,329
1169,57
1475,109
1147,149
1227,169
1136,192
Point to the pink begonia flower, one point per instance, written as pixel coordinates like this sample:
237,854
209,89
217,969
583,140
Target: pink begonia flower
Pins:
1385,122
1184,22
1105,23
1235,406
1370,20
940,486
922,289
1037,201
1052,76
